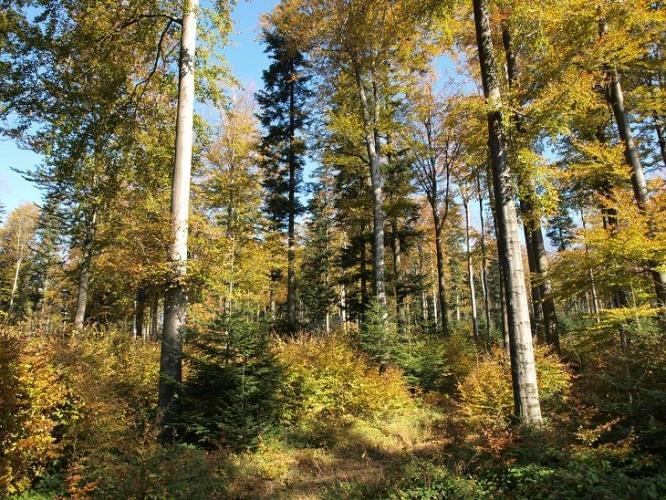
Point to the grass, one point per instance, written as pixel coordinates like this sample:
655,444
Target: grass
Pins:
348,452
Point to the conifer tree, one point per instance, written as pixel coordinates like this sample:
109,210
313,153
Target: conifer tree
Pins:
283,116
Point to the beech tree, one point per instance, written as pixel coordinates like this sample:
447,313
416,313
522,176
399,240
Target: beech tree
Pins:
175,301
526,392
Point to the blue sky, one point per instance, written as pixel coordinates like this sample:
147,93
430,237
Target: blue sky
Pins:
246,59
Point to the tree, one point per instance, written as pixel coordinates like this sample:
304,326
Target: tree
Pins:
16,241
358,40
319,253
562,230
175,302
283,101
436,147
526,393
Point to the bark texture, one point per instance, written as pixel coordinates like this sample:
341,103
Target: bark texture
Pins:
175,300
526,393
377,182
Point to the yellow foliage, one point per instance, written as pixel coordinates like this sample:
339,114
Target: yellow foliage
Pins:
486,397
63,398
325,377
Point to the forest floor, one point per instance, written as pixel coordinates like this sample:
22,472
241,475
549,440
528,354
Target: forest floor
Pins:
354,456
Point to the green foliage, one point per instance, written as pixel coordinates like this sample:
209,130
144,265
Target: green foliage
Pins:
379,335
423,480
230,397
437,364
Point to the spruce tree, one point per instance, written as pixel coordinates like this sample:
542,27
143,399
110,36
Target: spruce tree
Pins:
283,116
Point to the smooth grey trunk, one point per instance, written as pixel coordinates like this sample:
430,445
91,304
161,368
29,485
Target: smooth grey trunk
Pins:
535,288
545,285
638,182
377,183
82,294
175,300
457,306
523,367
470,275
661,136
84,274
484,276
19,261
343,307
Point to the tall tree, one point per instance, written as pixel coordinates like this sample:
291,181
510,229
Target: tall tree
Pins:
437,148
524,377
615,95
175,301
283,115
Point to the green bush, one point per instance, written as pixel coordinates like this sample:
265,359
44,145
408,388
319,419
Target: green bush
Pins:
423,480
437,364
230,395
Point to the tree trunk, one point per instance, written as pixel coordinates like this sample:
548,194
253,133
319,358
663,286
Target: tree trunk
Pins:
470,276
397,267
547,301
343,307
291,252
377,182
484,276
139,311
154,305
638,182
82,294
505,315
434,309
84,274
534,286
524,377
175,300
441,277
364,280
542,301
661,137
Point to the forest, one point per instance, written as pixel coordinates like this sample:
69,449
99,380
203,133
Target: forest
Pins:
424,258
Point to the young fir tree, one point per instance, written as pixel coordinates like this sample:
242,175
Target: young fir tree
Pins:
319,294
561,231
283,116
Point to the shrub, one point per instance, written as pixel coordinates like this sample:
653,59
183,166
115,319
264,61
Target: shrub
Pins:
424,480
435,363
486,397
35,408
325,377
230,395
623,385
64,399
